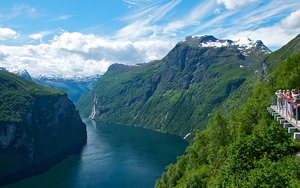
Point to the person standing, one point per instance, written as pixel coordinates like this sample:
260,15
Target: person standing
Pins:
289,100
279,95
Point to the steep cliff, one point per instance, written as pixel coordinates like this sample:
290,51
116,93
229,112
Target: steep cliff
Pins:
272,61
246,149
178,93
38,127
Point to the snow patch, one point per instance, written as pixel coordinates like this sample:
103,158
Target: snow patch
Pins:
217,44
245,42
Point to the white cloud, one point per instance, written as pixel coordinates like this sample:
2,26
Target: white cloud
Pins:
292,21
130,2
79,54
24,10
37,36
274,36
232,4
64,17
143,23
191,19
260,22
218,11
7,33
40,35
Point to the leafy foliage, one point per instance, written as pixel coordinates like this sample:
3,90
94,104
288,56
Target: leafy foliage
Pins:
38,125
246,149
274,60
16,93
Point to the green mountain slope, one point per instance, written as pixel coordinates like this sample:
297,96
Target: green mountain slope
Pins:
272,62
248,148
16,95
38,127
267,66
175,94
74,89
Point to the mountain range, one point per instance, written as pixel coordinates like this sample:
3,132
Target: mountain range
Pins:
178,93
75,86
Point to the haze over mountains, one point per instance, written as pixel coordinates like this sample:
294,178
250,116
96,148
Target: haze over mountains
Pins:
75,86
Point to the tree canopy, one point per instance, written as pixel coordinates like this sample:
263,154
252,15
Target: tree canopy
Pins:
247,148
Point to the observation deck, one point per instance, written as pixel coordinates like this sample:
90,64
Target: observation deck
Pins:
286,113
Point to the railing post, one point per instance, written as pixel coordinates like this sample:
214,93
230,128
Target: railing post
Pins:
296,118
296,114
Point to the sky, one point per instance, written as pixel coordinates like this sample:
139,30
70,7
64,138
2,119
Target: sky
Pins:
84,37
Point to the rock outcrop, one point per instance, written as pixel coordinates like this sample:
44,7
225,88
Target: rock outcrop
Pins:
48,130
178,93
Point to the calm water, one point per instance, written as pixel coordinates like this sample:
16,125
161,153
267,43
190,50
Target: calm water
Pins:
115,156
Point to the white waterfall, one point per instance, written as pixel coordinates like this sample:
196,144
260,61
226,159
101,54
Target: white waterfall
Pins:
92,116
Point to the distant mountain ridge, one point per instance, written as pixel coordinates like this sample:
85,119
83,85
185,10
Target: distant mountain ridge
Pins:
178,93
75,86
245,44
43,77
72,78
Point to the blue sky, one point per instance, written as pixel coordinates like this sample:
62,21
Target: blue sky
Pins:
84,37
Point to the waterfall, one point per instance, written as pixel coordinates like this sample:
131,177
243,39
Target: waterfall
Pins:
187,135
92,116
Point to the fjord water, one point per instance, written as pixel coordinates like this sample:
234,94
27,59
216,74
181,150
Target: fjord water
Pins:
114,156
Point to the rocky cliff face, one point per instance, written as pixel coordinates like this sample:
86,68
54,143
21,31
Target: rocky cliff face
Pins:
272,61
178,93
49,130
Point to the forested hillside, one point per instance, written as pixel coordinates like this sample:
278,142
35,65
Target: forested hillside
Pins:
178,93
267,66
39,126
16,93
272,62
247,148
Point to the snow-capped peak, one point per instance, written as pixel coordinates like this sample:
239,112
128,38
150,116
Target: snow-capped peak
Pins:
20,72
43,77
243,44
71,78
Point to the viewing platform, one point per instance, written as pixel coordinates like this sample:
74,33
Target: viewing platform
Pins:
286,113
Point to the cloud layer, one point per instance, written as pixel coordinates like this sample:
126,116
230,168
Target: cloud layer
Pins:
79,54
147,31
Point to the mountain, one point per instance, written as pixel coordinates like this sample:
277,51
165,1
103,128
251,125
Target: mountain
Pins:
178,93
247,148
38,127
270,63
75,86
